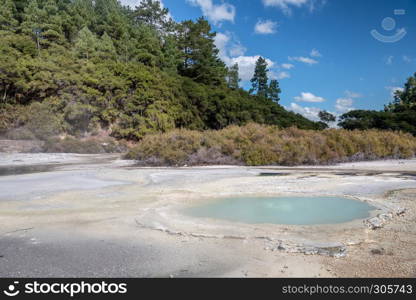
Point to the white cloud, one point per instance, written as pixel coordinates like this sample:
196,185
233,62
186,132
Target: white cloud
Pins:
344,105
408,59
237,50
309,97
279,75
232,52
352,95
308,112
229,46
247,65
389,60
287,66
215,12
284,5
265,27
315,53
306,60
134,3
221,41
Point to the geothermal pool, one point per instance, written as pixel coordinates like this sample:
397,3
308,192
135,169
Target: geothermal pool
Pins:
284,210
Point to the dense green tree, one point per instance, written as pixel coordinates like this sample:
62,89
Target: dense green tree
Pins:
233,77
32,21
398,115
200,55
105,48
52,23
95,64
151,13
326,117
86,44
43,22
82,14
404,99
171,54
260,78
7,15
367,119
274,91
110,19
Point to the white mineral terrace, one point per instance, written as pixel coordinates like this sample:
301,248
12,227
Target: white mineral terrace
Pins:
98,215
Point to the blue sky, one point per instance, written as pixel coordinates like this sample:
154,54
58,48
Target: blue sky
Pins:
322,51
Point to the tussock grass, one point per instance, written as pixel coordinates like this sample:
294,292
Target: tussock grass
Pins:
256,145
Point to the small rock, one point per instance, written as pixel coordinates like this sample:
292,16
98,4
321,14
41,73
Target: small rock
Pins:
336,250
386,217
374,223
400,211
378,251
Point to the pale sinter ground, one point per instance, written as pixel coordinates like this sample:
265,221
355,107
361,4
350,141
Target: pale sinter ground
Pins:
100,216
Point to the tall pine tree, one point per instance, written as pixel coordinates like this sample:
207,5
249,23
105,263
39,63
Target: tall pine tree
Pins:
151,13
233,77
274,91
200,55
260,78
404,99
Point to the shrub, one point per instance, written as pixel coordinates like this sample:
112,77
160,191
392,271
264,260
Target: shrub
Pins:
256,145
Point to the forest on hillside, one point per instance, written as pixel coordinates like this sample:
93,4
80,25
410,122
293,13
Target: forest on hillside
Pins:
88,67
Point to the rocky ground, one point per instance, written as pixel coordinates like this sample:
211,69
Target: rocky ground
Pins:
88,215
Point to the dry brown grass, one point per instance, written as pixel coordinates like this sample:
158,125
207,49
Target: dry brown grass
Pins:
256,145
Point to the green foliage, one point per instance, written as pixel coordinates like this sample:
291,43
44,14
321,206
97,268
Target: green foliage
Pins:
75,67
274,91
256,145
41,121
106,49
233,78
151,13
404,100
86,44
7,15
399,115
326,117
364,119
200,55
260,78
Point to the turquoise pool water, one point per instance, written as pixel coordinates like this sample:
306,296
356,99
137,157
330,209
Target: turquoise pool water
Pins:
284,210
